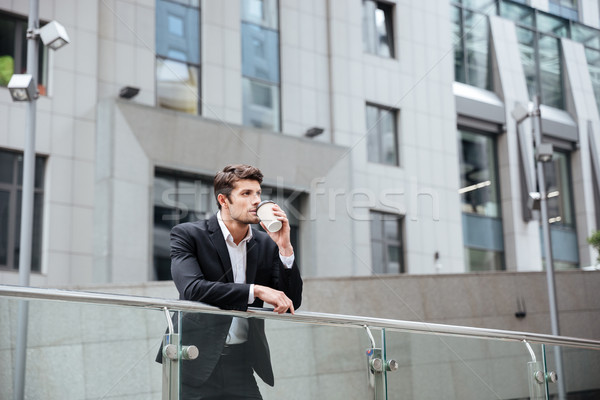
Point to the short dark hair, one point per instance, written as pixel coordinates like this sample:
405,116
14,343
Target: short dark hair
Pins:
225,180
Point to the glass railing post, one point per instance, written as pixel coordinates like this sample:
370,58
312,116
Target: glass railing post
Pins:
378,366
170,366
173,353
535,376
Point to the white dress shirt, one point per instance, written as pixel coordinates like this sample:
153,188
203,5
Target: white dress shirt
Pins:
238,331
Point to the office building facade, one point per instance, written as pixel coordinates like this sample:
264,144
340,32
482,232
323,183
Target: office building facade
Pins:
385,129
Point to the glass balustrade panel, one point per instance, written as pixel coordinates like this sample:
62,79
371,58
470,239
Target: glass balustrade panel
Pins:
306,361
83,351
435,366
580,372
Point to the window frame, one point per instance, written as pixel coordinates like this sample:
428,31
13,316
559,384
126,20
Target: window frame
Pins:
500,256
20,52
463,46
388,8
383,243
260,81
395,113
159,57
15,189
268,192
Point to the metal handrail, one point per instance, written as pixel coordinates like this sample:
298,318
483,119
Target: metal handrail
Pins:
306,317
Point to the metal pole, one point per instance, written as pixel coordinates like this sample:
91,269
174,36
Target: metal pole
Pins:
25,243
541,178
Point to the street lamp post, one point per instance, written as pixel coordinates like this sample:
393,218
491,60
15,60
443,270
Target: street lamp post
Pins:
23,87
25,244
542,158
543,154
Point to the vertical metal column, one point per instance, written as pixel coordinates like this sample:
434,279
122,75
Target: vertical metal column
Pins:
25,245
541,178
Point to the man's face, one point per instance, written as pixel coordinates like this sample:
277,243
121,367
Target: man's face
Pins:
243,200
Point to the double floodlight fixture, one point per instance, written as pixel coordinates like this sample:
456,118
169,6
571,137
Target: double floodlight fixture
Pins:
23,87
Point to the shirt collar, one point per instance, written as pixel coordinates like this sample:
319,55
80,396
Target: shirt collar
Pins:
227,235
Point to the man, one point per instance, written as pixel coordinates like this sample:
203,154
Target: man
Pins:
223,262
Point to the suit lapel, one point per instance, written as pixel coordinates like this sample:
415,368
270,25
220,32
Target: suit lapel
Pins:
251,259
216,236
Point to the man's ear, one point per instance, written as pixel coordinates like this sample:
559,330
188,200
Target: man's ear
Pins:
222,199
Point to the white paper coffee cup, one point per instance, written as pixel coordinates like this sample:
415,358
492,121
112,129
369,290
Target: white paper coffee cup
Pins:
264,210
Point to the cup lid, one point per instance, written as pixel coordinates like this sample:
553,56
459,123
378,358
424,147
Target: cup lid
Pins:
263,203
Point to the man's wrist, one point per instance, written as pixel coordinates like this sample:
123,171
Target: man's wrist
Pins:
286,251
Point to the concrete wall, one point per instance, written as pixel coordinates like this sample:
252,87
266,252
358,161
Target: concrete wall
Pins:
87,352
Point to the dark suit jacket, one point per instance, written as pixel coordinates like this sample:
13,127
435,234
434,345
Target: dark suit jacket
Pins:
202,271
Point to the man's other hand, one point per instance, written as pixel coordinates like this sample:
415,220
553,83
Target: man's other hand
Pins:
277,298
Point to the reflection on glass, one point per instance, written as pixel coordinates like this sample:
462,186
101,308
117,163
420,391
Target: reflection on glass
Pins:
487,6
260,53
586,35
477,49
459,51
386,243
378,28
260,104
177,86
593,59
526,40
260,12
517,13
477,260
549,24
471,47
558,186
564,8
178,31
478,174
382,140
550,71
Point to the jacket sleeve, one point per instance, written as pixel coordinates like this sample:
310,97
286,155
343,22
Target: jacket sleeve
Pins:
288,280
190,274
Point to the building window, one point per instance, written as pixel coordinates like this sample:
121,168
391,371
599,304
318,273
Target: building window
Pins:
178,55
378,31
260,64
11,178
539,34
561,213
386,243
13,52
181,197
471,47
564,8
480,199
382,137
541,60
